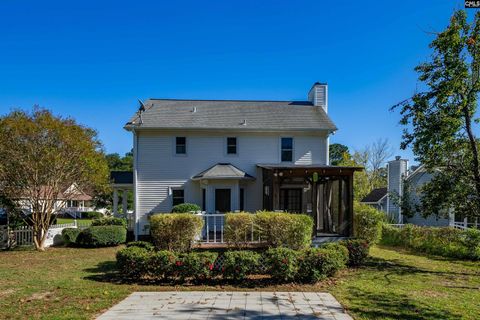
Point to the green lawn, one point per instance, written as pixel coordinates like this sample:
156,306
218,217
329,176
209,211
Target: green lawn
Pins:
70,283
70,220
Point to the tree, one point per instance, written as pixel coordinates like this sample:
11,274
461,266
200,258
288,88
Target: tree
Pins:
41,155
377,154
440,122
336,153
361,184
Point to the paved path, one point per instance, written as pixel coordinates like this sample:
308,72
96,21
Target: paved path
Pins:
227,305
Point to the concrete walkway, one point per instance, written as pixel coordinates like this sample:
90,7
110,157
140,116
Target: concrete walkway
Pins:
227,305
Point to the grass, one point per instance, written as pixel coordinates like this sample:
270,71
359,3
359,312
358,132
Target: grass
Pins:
71,283
70,220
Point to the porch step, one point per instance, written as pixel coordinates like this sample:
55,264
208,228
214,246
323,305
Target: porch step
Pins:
320,240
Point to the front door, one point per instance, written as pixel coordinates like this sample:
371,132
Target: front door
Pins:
291,200
223,200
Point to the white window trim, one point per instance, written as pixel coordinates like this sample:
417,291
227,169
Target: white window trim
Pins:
174,143
225,147
280,149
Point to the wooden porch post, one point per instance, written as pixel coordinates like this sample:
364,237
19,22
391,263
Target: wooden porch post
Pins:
315,207
350,204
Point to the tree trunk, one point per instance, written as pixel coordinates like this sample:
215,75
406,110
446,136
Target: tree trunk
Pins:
473,145
39,237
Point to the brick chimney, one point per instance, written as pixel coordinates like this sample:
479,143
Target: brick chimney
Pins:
318,95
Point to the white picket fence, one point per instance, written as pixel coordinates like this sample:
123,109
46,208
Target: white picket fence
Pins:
23,236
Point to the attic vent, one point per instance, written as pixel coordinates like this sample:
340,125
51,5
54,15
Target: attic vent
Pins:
194,109
244,123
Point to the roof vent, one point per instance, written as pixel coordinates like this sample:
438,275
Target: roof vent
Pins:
244,123
194,109
397,158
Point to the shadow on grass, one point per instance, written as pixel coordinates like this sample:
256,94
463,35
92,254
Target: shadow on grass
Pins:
390,305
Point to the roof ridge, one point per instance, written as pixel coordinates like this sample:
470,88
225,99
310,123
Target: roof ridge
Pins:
239,100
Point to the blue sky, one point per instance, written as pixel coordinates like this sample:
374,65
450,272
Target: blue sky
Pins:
92,59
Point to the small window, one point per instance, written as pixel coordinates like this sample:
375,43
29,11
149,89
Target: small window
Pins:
178,196
204,199
231,145
287,149
181,145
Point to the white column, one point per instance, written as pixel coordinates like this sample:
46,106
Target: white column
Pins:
115,202
124,202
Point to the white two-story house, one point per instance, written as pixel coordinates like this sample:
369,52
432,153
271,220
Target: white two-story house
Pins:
236,155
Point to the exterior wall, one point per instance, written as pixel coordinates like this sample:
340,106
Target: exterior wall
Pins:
158,170
416,183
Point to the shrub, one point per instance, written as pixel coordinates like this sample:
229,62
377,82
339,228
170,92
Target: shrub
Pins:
109,221
133,262
316,264
196,265
92,215
161,264
281,263
185,208
442,241
141,244
238,229
289,230
102,236
175,232
367,222
237,265
70,235
357,251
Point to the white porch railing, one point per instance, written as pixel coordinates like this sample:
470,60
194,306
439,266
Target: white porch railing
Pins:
397,225
214,229
466,225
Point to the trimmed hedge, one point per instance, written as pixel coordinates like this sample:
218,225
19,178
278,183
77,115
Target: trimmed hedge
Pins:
367,222
316,264
358,250
238,229
196,265
102,236
442,241
92,215
109,221
141,244
70,235
237,265
133,262
186,208
282,263
288,230
175,231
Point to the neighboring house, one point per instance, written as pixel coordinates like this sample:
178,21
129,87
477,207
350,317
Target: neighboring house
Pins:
399,174
377,198
71,200
233,155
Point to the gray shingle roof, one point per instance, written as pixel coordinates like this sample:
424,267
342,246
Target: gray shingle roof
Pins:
375,195
232,114
223,171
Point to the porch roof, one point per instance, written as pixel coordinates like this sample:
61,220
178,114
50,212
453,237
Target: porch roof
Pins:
310,168
223,171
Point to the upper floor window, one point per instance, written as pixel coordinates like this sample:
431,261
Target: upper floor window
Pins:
287,149
181,145
178,196
231,145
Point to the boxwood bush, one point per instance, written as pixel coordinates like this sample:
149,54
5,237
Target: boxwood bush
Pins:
133,262
175,231
141,244
237,265
238,229
282,263
102,236
70,235
186,208
368,222
92,215
289,230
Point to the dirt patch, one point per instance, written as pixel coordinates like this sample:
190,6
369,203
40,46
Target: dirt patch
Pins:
40,296
6,292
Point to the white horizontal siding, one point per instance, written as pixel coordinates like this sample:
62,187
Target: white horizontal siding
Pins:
159,169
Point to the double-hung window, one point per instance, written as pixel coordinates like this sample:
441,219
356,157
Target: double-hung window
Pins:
231,145
287,149
181,145
178,196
